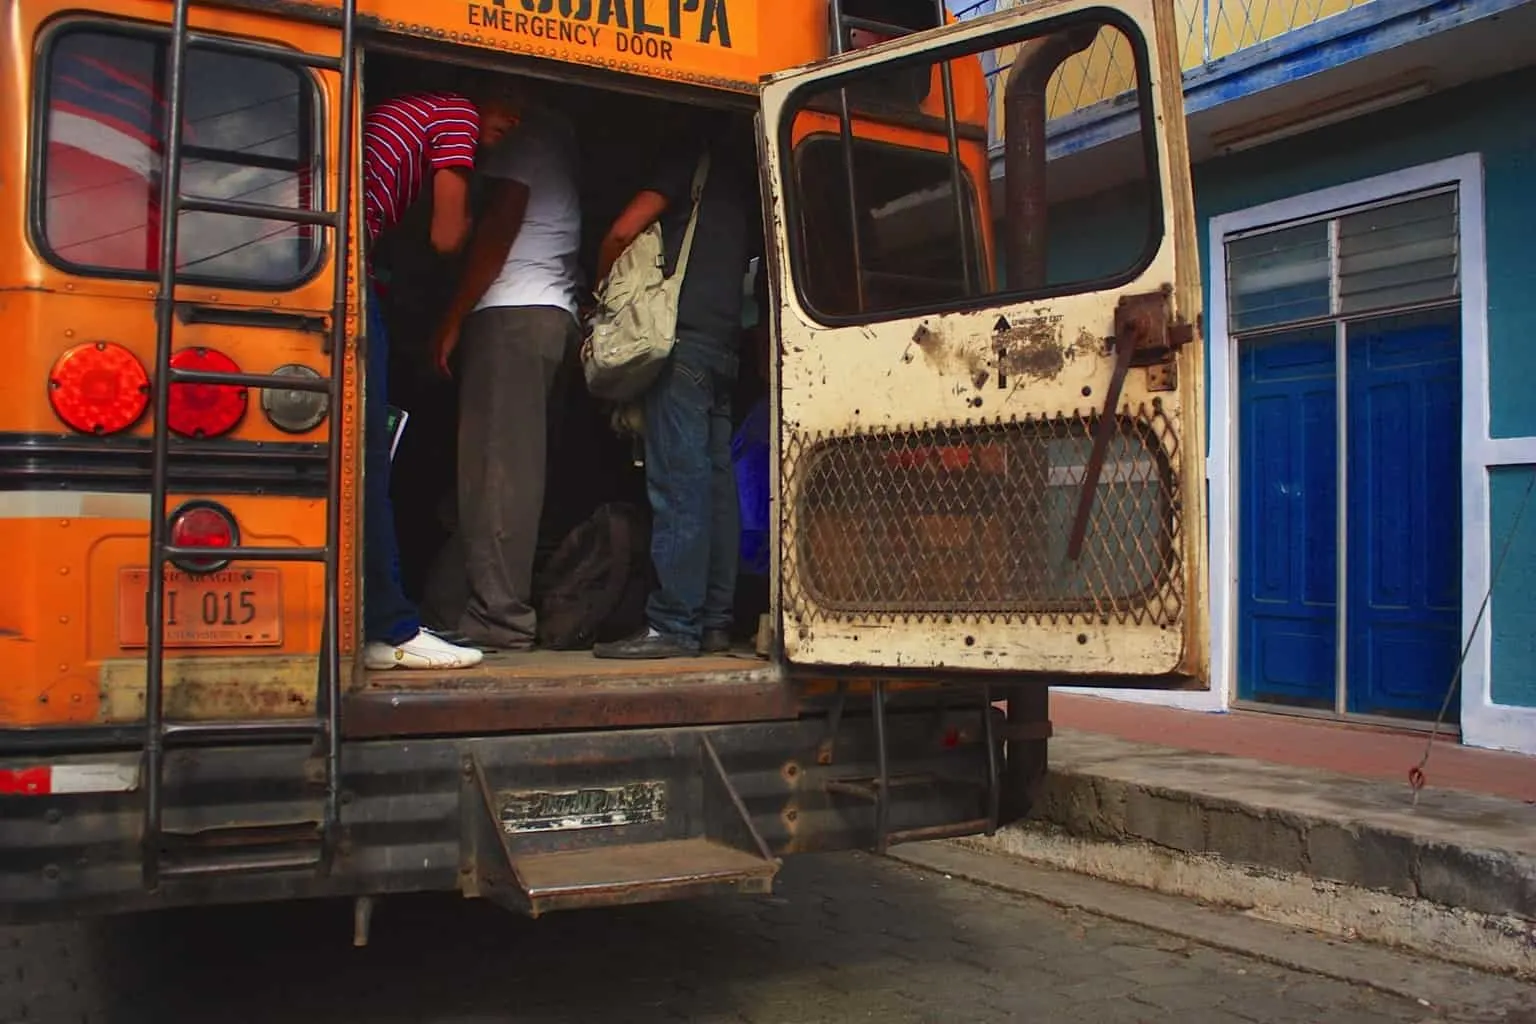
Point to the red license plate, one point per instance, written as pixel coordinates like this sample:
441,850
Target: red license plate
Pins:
228,608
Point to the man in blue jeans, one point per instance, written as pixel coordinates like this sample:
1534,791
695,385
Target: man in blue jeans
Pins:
411,144
688,470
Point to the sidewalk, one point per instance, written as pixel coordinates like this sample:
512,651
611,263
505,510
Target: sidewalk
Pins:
1305,822
1366,751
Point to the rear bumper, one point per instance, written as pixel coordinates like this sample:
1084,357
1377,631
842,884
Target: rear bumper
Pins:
409,815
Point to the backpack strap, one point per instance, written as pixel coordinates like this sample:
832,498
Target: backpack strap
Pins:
699,176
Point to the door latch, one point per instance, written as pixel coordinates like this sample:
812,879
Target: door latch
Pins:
1155,335
1146,335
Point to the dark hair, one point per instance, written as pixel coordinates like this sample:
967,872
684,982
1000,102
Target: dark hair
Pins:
488,90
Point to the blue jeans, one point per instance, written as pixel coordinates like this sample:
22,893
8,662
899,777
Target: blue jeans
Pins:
692,488
388,616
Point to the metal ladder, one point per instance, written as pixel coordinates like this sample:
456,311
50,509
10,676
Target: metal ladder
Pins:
876,790
324,727
883,782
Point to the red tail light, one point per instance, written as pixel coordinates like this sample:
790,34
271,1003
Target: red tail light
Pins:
203,524
99,388
205,410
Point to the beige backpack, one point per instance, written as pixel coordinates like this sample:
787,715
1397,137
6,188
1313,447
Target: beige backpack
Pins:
635,324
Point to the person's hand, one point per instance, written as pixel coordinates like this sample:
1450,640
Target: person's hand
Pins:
443,345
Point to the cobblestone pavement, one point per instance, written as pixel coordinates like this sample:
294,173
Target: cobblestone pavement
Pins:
849,938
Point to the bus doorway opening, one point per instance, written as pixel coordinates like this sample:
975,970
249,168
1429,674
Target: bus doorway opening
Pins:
593,463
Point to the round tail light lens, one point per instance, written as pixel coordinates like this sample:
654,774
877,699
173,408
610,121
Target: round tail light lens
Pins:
205,410
203,524
295,412
99,388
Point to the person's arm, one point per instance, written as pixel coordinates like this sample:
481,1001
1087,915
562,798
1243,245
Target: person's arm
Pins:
453,136
451,219
643,211
506,205
668,182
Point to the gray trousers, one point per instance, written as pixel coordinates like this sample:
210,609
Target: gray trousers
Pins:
515,364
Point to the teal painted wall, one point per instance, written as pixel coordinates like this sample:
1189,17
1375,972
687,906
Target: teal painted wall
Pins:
1512,612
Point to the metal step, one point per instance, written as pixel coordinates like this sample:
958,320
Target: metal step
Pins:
710,848
640,873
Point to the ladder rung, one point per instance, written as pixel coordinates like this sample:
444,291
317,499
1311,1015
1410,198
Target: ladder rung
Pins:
242,553
274,862
869,789
258,211
955,830
263,51
267,730
319,385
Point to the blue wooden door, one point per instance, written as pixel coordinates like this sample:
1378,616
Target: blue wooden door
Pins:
1403,601
1288,519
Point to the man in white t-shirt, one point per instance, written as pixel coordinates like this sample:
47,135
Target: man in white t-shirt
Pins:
511,335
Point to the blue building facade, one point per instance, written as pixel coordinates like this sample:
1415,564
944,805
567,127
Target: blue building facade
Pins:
1365,189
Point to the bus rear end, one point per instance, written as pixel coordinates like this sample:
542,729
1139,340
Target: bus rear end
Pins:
929,534
244,467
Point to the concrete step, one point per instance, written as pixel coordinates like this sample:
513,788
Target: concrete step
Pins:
1453,875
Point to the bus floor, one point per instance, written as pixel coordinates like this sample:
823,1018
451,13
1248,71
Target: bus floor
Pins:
555,690
503,669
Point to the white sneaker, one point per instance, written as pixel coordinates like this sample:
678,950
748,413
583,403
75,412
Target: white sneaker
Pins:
421,651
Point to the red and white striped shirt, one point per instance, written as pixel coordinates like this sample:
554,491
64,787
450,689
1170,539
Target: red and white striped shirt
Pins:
405,137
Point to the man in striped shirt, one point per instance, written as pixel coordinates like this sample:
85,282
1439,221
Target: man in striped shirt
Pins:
411,143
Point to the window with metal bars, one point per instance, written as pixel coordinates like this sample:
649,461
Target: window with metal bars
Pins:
251,129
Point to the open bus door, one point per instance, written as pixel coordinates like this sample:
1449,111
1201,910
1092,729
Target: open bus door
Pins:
990,442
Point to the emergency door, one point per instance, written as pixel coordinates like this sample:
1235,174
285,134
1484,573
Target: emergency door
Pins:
983,261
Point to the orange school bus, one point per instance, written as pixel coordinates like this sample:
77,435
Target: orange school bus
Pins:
986,449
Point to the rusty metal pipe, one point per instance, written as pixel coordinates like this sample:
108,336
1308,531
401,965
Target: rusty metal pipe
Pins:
1025,203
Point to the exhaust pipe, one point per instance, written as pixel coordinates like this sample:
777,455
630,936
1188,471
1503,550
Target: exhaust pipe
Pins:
1025,204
